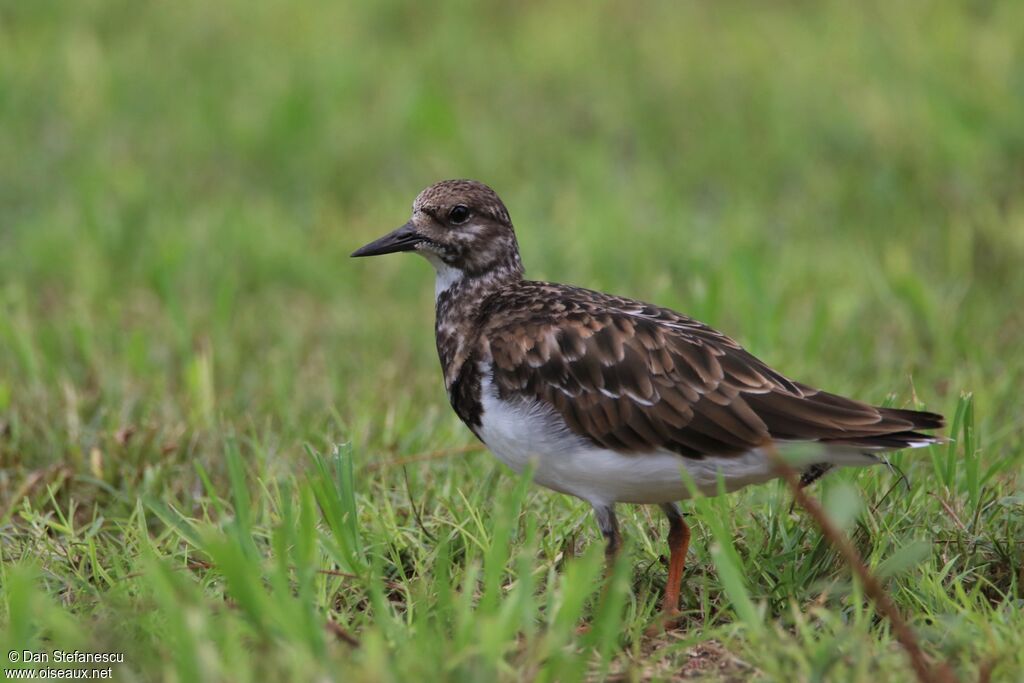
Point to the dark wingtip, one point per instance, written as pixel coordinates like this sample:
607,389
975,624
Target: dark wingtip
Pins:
919,419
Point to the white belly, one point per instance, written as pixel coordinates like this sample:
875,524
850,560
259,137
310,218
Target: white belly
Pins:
521,432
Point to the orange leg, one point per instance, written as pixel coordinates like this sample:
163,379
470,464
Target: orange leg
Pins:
678,543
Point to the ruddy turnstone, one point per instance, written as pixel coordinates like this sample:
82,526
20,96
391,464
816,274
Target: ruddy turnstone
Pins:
612,398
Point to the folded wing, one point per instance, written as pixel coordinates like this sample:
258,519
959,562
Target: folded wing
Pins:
633,378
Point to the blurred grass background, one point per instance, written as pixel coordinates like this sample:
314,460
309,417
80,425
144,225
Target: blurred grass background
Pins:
837,185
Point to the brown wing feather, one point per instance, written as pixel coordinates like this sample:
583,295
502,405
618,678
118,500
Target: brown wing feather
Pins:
632,377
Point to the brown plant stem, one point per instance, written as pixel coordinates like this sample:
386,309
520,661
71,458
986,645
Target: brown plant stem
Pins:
926,673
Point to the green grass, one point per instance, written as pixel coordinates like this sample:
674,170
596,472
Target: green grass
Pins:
204,405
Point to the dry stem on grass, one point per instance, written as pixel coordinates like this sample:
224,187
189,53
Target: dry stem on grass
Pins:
926,673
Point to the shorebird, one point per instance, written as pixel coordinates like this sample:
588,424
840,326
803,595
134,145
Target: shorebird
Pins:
613,399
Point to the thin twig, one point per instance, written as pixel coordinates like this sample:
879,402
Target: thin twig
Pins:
333,572
902,480
940,673
416,510
951,513
336,630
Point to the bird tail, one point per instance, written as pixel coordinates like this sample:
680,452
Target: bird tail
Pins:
906,435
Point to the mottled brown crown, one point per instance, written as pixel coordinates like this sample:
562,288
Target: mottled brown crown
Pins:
443,195
484,242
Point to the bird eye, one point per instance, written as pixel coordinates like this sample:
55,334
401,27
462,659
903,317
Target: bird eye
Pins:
459,214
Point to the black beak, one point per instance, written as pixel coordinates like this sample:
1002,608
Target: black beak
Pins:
404,239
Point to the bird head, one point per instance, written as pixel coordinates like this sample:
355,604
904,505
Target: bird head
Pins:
460,226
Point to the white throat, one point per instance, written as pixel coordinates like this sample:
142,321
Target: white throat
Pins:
446,279
447,276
